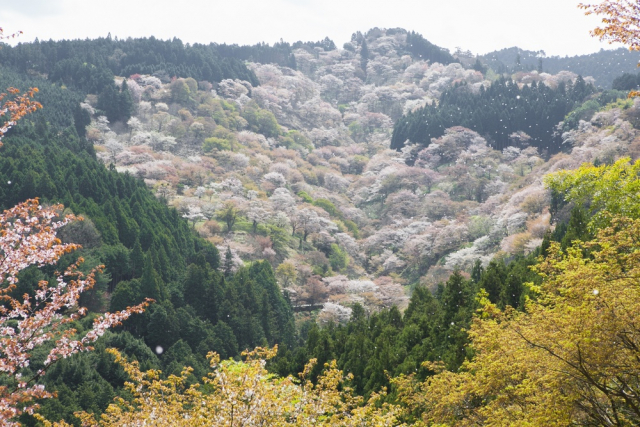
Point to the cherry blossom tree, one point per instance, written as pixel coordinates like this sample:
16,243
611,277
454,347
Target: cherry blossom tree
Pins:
135,90
257,214
335,182
335,313
282,201
145,109
404,203
161,118
113,147
200,191
316,290
273,180
308,221
233,185
161,141
194,214
135,125
29,322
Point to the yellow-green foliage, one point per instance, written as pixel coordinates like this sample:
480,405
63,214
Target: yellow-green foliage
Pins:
261,121
222,139
214,143
571,357
608,189
191,84
180,91
583,112
241,394
296,140
224,113
621,104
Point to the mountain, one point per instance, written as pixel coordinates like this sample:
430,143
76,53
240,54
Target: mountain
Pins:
345,203
291,165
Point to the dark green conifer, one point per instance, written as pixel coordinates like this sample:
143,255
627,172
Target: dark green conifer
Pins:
364,56
151,285
228,262
137,259
476,272
126,102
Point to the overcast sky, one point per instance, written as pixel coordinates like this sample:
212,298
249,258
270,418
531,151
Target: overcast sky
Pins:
556,26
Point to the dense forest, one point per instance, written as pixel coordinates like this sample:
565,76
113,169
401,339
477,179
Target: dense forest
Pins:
497,113
89,65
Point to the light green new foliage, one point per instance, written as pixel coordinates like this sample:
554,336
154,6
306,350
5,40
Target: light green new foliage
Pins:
607,190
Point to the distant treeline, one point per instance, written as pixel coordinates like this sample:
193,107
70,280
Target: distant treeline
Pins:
627,81
421,49
280,53
604,66
91,64
104,57
495,113
417,46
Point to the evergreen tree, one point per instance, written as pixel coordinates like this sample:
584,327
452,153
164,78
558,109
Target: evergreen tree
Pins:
476,272
577,228
126,102
162,329
109,102
228,262
478,66
457,295
364,56
137,259
151,285
493,281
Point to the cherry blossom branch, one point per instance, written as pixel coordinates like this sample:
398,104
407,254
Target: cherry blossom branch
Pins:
28,237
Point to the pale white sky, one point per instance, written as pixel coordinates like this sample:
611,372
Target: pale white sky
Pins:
556,26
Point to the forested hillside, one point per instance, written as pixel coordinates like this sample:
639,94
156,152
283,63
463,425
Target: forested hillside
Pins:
89,65
385,205
148,249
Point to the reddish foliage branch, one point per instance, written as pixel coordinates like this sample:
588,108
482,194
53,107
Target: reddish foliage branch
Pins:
19,105
621,21
10,36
